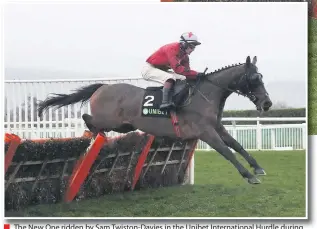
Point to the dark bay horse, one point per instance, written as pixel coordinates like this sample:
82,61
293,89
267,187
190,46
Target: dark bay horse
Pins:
118,107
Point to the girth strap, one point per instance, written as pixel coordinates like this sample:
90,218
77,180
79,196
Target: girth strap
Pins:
175,123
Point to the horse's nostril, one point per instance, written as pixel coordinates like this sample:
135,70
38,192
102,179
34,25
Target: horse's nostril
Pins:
267,104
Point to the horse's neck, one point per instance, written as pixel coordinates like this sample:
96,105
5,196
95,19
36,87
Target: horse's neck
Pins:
225,77
220,81
215,92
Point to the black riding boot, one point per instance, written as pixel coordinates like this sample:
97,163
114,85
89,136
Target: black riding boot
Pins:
167,99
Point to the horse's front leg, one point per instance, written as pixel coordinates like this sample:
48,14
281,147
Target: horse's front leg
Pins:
232,143
212,138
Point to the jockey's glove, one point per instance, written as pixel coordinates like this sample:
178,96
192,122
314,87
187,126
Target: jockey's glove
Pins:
200,75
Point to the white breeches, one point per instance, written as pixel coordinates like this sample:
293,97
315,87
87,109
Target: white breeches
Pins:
151,73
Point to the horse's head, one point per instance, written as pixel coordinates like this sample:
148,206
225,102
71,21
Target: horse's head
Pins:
251,84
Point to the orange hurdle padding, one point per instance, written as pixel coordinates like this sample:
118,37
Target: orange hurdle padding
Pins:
83,166
76,166
141,161
87,134
7,138
14,142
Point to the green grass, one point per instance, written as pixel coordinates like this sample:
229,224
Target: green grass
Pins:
219,191
312,85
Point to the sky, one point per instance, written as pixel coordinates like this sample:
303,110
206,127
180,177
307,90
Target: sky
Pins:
57,41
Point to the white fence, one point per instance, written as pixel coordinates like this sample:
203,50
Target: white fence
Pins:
21,117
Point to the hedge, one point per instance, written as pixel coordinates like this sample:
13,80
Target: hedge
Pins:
292,112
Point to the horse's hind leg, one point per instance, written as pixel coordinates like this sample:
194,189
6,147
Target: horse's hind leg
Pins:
89,123
124,128
231,142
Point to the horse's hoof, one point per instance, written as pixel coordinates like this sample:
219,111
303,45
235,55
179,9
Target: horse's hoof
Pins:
254,180
259,172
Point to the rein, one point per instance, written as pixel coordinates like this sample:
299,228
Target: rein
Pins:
195,88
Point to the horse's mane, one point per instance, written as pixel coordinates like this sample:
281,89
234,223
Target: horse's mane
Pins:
224,68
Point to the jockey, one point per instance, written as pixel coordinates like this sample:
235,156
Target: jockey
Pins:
171,56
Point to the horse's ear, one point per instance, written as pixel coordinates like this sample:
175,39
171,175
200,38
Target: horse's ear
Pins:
248,61
254,60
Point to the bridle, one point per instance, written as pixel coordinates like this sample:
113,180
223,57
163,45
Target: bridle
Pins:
244,85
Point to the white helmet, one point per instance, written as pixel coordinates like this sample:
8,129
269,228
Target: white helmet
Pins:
189,38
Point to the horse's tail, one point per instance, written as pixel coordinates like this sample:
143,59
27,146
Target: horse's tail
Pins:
59,100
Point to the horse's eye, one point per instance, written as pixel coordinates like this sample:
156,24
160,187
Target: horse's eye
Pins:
256,77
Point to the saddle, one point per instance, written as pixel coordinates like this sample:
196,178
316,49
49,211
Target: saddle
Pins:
180,93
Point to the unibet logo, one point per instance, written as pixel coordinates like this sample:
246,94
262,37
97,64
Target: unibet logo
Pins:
145,111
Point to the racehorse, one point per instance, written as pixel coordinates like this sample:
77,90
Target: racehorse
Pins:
123,108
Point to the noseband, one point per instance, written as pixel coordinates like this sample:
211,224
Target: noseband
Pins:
247,82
